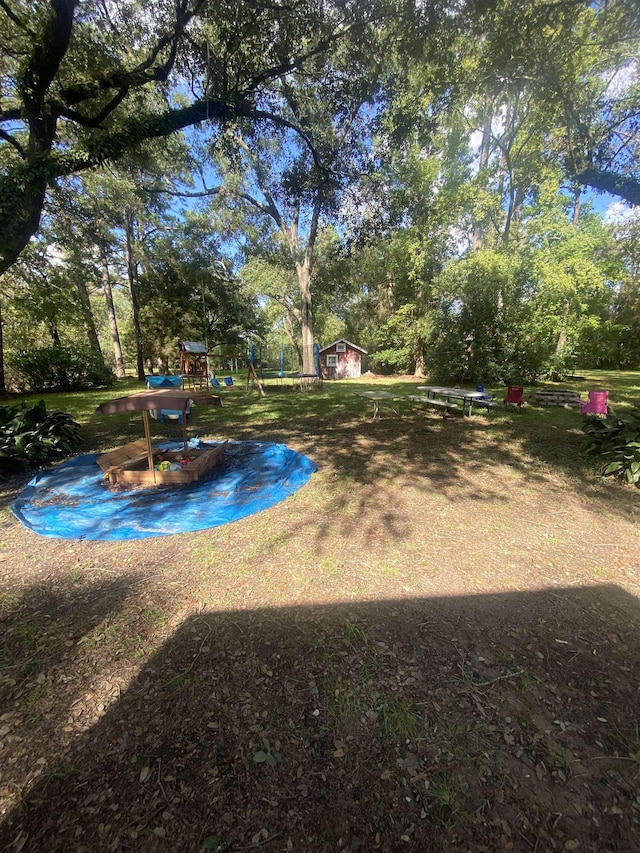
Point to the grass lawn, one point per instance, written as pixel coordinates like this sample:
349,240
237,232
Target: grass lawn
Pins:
434,645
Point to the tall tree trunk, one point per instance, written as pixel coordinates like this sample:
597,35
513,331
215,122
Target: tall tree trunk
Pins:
577,194
518,201
561,343
292,334
62,376
485,150
3,380
87,313
306,319
111,313
132,275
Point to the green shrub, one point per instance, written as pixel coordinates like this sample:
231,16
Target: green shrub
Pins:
617,441
30,436
63,368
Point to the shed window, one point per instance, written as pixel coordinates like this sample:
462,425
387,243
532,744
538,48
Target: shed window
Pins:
332,361
341,347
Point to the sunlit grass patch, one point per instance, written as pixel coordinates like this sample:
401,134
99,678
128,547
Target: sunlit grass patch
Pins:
355,634
40,692
627,742
399,718
448,801
343,702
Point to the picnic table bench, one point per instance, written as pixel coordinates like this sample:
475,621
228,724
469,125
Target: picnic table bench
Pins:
487,404
444,405
447,395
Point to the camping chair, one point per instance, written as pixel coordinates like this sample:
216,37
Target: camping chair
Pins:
487,397
596,404
228,381
514,396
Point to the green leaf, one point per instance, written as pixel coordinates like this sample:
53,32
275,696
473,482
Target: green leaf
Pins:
613,466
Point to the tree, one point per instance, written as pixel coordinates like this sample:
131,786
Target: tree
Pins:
187,293
578,61
515,315
49,317
276,179
83,85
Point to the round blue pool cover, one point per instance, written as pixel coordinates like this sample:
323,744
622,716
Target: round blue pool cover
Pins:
74,500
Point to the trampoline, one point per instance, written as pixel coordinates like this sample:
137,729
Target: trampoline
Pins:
75,501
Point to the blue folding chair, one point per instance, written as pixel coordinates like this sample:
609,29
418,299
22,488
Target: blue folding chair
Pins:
480,388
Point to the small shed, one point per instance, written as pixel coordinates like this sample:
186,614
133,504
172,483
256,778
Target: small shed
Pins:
341,360
193,358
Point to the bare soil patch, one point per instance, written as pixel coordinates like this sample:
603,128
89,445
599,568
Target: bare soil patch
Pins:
434,645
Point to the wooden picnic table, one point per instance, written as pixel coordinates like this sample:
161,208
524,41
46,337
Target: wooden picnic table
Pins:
377,397
468,397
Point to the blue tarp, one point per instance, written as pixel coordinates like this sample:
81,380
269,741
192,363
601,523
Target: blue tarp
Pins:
74,500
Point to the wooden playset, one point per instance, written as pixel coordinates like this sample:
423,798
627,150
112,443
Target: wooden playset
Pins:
194,364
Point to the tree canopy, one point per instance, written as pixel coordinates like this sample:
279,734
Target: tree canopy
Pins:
85,82
417,168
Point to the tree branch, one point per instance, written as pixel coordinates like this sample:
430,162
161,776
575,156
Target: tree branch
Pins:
623,186
16,20
14,142
142,73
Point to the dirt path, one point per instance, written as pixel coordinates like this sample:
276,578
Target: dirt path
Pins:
431,646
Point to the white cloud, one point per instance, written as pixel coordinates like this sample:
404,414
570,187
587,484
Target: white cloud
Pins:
618,212
622,80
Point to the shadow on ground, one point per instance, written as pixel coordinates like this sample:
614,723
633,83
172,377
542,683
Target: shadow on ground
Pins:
460,458
499,722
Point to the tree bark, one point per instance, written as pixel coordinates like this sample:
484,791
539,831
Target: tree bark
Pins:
132,275
561,343
306,319
577,192
111,314
3,380
89,322
485,150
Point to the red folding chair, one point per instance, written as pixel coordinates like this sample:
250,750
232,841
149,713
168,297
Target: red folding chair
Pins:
514,396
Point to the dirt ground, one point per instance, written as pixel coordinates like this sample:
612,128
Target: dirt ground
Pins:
432,646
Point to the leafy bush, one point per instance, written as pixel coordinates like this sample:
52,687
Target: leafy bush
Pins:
484,324
617,441
63,368
30,436
399,341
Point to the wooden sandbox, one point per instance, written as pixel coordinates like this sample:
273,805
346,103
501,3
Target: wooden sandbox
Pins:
129,465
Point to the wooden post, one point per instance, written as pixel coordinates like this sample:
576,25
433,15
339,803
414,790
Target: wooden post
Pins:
253,375
147,435
184,427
